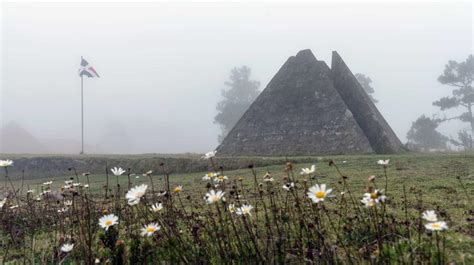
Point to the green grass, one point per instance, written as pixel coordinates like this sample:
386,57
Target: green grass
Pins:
439,177
422,170
435,174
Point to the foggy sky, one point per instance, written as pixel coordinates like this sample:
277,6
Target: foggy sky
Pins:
162,65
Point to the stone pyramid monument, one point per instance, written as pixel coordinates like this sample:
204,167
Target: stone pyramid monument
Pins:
310,109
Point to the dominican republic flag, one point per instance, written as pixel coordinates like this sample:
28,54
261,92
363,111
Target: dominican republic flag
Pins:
87,70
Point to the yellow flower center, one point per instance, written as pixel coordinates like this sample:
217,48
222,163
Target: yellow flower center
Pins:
150,229
320,194
108,223
436,225
374,196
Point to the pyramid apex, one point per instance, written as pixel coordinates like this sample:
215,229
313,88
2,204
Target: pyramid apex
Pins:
336,58
306,54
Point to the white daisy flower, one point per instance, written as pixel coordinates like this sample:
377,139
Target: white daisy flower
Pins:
133,202
436,226
6,163
209,176
220,178
68,182
86,186
136,193
288,186
213,196
430,216
308,171
156,207
67,247
2,202
178,189
268,177
368,202
383,162
209,155
150,229
107,221
117,171
318,193
30,191
244,210
376,195
231,208
47,183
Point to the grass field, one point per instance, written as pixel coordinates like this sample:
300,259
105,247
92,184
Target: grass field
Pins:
415,182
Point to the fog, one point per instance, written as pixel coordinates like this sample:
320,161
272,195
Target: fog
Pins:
162,65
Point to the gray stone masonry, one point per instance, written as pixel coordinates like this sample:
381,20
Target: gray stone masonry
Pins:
300,112
381,137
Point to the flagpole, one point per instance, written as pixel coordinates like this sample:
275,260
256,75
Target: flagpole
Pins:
82,114
90,72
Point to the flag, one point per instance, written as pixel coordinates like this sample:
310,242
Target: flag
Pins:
87,70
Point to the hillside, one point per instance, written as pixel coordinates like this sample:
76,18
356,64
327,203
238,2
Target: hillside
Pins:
47,166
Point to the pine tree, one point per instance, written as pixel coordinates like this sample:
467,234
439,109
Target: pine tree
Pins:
236,99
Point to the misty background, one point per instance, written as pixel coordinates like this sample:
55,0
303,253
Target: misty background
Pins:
163,65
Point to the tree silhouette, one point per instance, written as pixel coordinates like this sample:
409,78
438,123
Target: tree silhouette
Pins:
460,76
423,134
236,100
365,82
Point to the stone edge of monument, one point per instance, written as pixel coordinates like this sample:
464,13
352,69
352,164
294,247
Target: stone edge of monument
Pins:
381,136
